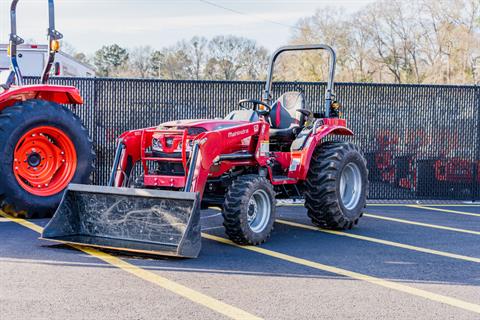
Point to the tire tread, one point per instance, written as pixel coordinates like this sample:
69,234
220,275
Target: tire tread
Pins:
321,200
14,116
236,197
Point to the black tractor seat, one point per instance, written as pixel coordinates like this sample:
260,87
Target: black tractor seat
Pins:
286,122
284,135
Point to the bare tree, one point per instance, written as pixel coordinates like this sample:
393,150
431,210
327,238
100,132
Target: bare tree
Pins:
325,26
68,48
232,58
196,50
171,63
402,41
140,62
396,41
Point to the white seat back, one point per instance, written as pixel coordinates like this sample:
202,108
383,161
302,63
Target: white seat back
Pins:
6,79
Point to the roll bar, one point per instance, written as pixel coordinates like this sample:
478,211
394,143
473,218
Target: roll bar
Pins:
267,97
52,36
14,41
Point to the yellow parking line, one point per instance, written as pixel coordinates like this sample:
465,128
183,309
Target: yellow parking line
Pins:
393,205
384,242
430,205
446,210
195,296
434,226
23,222
355,275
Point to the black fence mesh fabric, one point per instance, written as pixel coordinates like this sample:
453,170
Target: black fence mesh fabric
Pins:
420,141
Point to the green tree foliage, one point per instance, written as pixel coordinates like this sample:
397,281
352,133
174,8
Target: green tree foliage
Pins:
110,59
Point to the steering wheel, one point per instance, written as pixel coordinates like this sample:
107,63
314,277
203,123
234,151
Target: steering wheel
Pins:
255,103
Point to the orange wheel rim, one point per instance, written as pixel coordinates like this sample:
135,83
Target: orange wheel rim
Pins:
45,161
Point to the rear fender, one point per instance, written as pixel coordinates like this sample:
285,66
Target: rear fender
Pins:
57,94
304,156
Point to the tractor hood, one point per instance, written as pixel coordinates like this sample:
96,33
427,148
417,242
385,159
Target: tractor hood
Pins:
206,124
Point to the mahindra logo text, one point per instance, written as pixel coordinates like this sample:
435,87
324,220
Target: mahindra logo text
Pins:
237,133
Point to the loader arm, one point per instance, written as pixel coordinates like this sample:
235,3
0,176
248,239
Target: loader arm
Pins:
208,148
212,146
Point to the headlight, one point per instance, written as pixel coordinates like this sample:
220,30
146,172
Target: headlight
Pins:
156,145
188,148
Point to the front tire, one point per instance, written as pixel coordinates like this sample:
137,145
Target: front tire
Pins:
43,147
249,210
336,185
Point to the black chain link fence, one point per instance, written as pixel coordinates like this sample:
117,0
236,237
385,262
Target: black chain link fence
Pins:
421,141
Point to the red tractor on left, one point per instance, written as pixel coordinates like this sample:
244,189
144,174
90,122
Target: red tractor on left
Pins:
43,145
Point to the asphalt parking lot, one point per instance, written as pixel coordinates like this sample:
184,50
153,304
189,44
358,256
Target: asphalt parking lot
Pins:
401,262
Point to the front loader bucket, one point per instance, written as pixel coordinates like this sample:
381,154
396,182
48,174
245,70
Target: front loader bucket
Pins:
138,220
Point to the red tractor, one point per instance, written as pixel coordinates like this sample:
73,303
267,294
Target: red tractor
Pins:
264,151
43,145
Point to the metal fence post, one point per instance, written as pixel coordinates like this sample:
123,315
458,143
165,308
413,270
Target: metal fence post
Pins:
476,164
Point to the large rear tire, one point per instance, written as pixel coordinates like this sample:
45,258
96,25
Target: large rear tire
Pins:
336,185
43,147
249,210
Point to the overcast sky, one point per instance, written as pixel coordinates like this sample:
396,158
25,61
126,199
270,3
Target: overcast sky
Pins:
89,24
